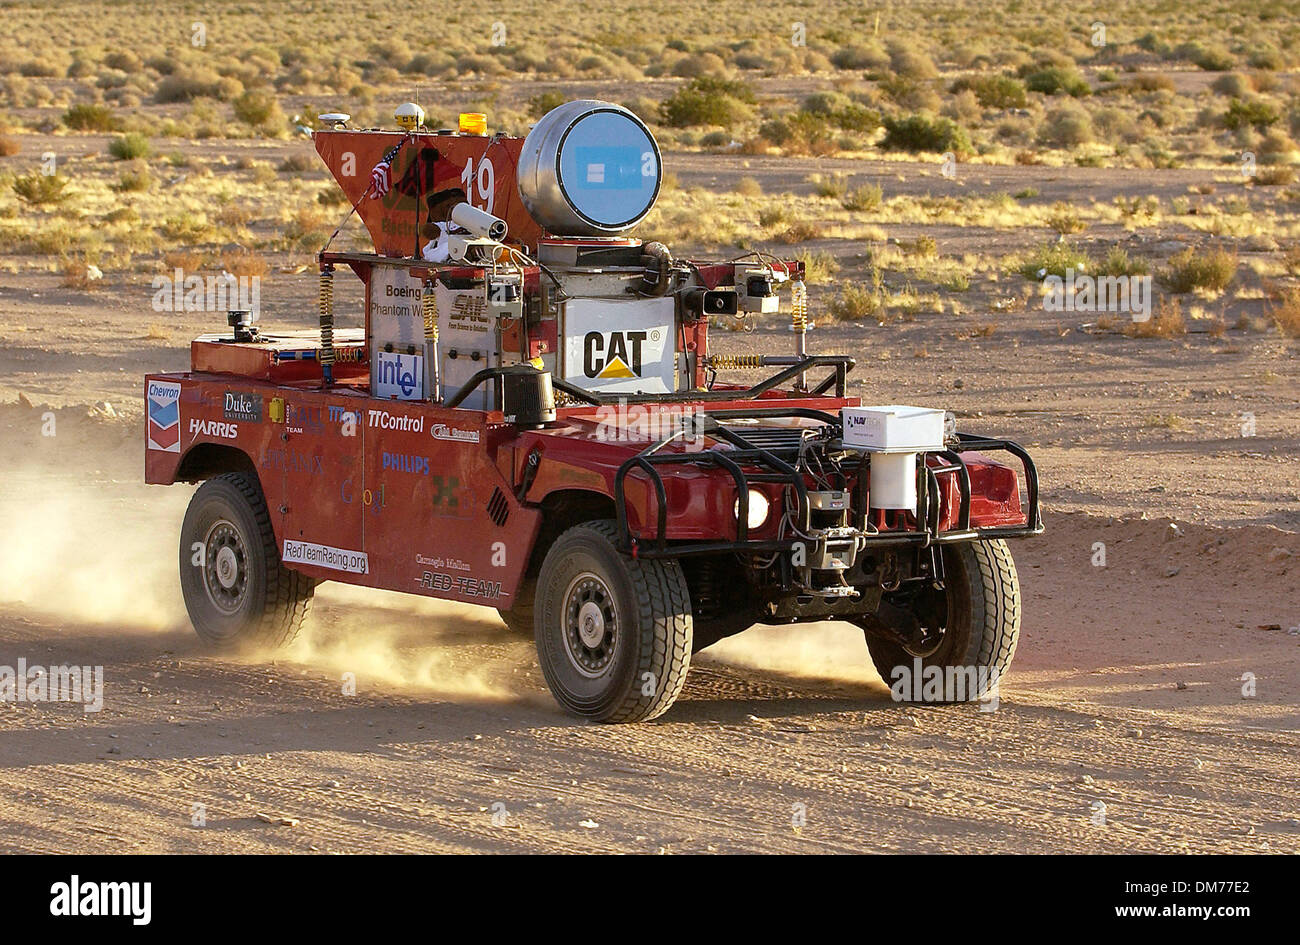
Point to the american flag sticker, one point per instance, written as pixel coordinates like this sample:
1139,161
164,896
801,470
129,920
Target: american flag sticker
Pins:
163,415
379,180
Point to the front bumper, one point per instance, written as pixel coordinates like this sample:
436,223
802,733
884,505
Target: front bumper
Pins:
764,466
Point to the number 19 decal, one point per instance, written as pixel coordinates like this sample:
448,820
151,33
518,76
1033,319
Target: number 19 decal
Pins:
484,194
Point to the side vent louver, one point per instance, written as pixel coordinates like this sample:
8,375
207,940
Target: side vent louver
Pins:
498,509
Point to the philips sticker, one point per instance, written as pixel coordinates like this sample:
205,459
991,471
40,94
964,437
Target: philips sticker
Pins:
163,403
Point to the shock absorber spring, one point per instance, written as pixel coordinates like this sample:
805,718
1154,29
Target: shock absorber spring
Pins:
429,307
799,308
738,362
327,322
799,324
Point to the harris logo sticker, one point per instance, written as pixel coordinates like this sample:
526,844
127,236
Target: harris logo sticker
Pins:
163,410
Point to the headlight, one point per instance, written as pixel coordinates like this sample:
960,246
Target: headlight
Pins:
758,509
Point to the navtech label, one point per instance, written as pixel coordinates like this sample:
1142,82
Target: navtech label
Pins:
163,408
323,556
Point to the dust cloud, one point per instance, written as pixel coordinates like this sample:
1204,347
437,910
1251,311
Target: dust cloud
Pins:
97,550
398,641
831,651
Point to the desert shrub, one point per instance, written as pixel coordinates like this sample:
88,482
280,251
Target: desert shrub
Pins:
185,84
1211,270
800,133
133,180
994,91
834,185
749,187
37,189
296,164
129,147
1119,263
1065,219
87,117
911,63
773,216
925,246
1275,176
841,111
1214,59
1056,80
1285,313
543,102
258,108
1249,113
707,101
818,265
698,65
1149,82
799,231
9,146
963,108
856,301
909,94
924,133
863,199
1116,124
1053,259
1066,127
124,61
1266,57
1233,84
860,57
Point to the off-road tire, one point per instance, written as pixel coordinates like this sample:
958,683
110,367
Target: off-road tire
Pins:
230,511
642,611
983,617
519,618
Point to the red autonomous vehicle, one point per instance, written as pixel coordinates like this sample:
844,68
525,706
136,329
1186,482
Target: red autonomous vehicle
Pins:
529,419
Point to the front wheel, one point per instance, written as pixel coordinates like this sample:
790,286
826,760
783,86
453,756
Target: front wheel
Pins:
969,630
613,633
235,588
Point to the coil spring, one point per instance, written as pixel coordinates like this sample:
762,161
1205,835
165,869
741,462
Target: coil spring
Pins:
735,361
429,304
799,307
327,315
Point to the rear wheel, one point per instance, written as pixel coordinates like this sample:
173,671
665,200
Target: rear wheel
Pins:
973,624
613,633
235,588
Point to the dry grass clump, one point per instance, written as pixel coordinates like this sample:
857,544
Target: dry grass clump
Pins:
244,262
1166,322
40,190
1210,270
9,146
1285,313
857,301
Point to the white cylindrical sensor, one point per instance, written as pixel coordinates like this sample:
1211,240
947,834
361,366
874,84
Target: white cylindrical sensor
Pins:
479,222
893,481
